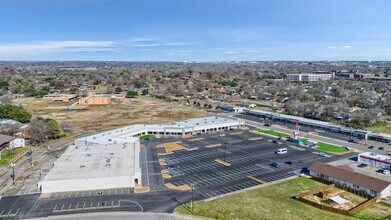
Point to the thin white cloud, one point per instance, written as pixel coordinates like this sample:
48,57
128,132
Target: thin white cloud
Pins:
54,46
339,47
232,52
142,39
160,44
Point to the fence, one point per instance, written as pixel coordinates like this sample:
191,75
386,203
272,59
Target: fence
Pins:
351,211
314,191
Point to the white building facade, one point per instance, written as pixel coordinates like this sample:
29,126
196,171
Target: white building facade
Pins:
111,159
375,160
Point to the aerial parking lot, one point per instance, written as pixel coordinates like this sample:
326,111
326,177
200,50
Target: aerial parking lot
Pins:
228,161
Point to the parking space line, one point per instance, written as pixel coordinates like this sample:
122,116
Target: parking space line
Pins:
77,205
256,179
62,207
2,212
84,205
91,205
55,208
9,212
69,206
16,212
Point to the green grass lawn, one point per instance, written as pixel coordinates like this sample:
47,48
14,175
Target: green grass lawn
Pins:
383,127
304,140
330,148
274,133
145,137
274,202
6,156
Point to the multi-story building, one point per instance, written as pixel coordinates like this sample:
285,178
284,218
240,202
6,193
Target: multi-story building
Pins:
309,77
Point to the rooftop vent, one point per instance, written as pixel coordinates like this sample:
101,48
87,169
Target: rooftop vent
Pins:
82,166
108,161
88,155
108,165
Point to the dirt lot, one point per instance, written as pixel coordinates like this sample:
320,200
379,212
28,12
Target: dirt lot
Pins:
119,113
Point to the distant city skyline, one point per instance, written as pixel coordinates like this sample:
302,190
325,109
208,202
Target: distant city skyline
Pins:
190,30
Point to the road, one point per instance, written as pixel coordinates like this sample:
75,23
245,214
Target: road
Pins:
358,146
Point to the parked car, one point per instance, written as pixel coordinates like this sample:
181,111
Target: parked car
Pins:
279,138
381,148
386,171
322,154
222,135
274,141
282,151
371,147
289,162
274,164
362,165
351,141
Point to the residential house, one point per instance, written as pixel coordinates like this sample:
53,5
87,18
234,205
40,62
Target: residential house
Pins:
9,142
346,177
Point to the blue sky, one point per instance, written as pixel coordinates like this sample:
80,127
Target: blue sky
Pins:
199,30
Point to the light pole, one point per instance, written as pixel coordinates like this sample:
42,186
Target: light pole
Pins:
13,173
225,152
192,198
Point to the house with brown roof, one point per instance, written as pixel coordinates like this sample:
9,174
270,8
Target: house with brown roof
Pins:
345,176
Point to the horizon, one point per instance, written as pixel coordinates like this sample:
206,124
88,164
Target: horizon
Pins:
195,31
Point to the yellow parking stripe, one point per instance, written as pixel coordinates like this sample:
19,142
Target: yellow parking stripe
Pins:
256,179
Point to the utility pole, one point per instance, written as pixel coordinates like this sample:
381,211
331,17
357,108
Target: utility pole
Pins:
13,173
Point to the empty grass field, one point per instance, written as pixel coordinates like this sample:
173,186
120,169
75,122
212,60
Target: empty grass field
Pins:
330,148
276,202
274,133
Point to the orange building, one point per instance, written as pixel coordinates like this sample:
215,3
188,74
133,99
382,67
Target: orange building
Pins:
95,101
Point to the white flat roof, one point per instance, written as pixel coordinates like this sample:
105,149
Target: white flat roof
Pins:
125,134
93,161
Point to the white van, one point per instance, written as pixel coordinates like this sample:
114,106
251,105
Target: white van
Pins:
282,151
